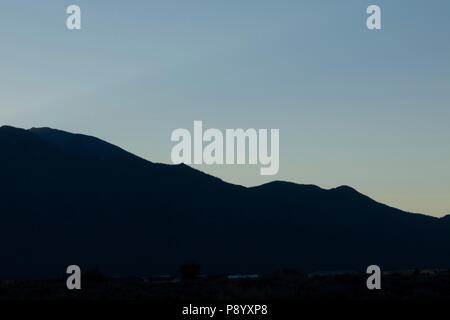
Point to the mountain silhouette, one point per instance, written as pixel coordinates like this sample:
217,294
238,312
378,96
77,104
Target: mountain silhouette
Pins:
74,199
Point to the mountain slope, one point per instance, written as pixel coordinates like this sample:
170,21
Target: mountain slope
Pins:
73,199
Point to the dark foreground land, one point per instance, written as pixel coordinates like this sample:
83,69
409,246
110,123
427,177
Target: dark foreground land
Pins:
291,286
284,296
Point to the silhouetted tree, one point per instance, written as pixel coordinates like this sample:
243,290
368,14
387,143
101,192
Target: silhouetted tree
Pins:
189,271
95,276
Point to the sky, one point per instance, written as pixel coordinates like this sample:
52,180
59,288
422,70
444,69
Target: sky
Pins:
369,109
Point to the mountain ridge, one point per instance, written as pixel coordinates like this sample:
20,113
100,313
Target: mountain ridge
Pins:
70,198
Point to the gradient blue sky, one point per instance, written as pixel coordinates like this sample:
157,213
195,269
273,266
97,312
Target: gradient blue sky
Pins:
355,107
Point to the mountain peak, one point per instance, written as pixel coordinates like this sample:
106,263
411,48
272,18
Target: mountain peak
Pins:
79,144
6,128
38,129
345,188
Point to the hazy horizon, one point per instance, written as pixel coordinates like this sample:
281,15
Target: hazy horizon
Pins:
368,109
